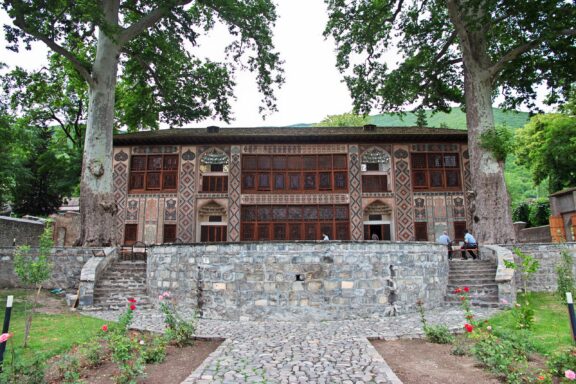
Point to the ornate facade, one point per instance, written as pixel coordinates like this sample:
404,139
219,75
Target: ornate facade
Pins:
266,184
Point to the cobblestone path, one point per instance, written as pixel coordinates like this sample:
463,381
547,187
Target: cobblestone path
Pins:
302,352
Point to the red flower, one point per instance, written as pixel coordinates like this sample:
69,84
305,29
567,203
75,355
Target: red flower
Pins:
466,289
105,328
541,378
458,290
462,298
469,327
132,307
131,300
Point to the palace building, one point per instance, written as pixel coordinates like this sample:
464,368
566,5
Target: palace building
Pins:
213,184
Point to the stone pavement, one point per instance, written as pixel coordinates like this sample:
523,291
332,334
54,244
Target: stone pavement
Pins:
302,352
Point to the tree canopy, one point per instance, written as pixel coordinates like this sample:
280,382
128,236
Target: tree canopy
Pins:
458,52
547,146
148,45
343,120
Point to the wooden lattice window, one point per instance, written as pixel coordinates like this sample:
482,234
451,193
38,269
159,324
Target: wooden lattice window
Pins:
214,183
435,171
294,222
374,183
213,233
296,174
153,173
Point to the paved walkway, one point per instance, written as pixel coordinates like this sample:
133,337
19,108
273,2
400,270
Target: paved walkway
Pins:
302,352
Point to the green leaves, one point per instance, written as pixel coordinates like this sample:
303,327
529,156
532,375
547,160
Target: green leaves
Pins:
547,146
499,141
34,270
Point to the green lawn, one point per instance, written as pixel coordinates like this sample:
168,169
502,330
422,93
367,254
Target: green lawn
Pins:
551,331
50,334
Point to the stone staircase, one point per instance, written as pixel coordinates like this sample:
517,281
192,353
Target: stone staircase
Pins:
478,275
122,280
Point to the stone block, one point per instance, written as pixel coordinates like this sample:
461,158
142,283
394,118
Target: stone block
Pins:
347,285
219,286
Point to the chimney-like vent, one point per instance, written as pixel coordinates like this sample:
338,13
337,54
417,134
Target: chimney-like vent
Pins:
213,129
369,128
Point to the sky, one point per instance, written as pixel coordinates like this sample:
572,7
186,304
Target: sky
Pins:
313,87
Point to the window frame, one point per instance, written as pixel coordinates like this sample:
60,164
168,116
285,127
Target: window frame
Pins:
167,167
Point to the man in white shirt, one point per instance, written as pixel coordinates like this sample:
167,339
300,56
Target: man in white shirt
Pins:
469,242
444,239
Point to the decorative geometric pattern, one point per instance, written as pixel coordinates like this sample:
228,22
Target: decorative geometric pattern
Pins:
155,149
234,196
356,227
170,210
251,199
186,201
467,184
434,147
296,149
403,197
132,210
458,210
120,176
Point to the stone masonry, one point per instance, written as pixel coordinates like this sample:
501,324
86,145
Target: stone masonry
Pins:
300,280
545,279
66,266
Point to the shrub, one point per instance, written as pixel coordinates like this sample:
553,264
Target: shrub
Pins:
523,316
565,276
560,362
438,334
153,349
522,212
178,330
93,353
540,212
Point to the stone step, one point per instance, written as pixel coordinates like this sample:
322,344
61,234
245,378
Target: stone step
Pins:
461,282
472,273
107,282
472,267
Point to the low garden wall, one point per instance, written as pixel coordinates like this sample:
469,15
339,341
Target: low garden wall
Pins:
300,280
548,254
19,231
67,263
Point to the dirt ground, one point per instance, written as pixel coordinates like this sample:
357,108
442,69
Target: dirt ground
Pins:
420,362
178,365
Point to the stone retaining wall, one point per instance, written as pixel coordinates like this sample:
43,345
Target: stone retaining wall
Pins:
544,280
67,262
21,231
300,280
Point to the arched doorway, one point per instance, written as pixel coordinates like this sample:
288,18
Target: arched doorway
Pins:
213,221
378,221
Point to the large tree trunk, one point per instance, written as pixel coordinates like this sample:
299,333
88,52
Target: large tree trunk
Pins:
489,200
97,205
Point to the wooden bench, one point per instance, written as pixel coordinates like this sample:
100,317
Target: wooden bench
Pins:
466,251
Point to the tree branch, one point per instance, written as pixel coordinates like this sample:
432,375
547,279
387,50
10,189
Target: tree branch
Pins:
78,65
447,45
147,21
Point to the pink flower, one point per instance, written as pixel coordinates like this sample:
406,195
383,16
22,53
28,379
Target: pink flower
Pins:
504,301
166,294
161,297
466,289
5,336
570,375
132,307
469,327
105,328
131,300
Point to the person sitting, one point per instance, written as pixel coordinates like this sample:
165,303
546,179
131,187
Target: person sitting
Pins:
375,237
444,239
469,243
325,236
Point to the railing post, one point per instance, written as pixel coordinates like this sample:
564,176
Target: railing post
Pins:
5,328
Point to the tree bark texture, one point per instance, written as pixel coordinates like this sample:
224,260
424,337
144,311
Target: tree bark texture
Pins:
491,218
96,186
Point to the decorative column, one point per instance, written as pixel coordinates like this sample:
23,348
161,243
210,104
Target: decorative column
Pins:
120,164
234,193
186,188
403,195
354,175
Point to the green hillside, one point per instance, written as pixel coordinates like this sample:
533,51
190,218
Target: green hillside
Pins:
455,119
